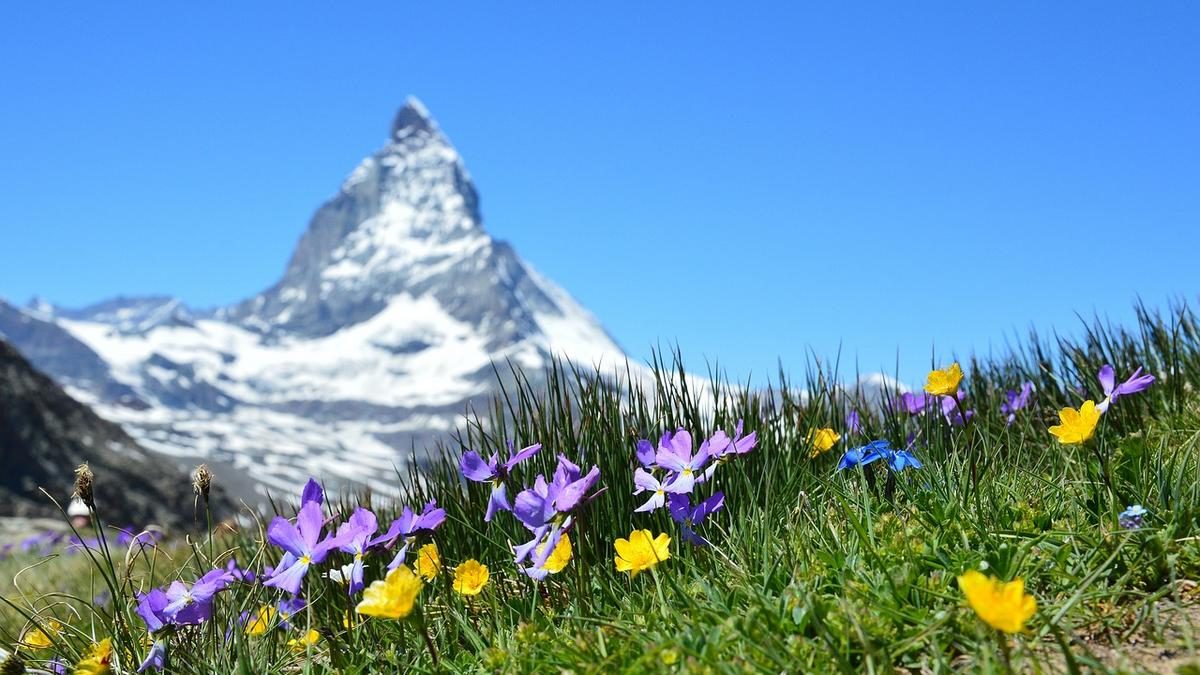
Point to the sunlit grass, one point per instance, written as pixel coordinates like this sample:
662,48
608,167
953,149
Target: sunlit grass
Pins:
810,570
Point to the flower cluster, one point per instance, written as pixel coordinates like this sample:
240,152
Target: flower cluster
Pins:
1077,426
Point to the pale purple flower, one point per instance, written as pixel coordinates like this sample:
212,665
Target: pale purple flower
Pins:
675,455
547,510
1016,401
913,403
644,481
156,659
720,448
407,527
150,607
1112,391
302,540
474,468
853,423
192,605
356,534
952,411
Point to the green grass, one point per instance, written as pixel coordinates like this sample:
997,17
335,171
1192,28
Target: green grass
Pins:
811,570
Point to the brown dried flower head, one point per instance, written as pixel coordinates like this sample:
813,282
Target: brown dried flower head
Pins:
202,480
83,485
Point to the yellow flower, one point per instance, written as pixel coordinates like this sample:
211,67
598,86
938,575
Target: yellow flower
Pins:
1076,426
429,562
97,660
393,597
641,551
559,557
261,621
822,440
944,382
301,644
42,639
470,577
1003,606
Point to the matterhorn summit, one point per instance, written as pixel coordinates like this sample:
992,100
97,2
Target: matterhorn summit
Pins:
384,326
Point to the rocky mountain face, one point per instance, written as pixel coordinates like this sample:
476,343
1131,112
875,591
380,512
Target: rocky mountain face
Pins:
45,434
385,325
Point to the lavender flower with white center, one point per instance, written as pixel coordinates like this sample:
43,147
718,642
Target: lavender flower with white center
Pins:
1112,391
303,541
356,534
644,482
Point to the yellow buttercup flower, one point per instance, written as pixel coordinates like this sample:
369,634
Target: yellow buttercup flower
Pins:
97,661
641,551
41,638
470,577
559,557
309,639
429,562
393,597
261,621
944,382
1076,426
1003,606
822,440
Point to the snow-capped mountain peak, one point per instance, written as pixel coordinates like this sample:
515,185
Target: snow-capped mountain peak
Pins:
384,326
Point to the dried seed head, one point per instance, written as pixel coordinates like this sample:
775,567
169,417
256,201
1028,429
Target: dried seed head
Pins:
83,485
202,481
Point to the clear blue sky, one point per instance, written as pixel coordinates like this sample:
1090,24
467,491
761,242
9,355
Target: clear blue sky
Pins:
753,182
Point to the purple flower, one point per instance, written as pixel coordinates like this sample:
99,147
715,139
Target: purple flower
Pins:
853,423
645,481
547,509
407,527
238,574
150,607
188,606
356,534
645,453
913,403
474,468
690,516
1112,391
300,540
312,493
156,659
720,448
675,455
287,609
1017,401
951,411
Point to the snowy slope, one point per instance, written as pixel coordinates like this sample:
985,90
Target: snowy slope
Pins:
383,327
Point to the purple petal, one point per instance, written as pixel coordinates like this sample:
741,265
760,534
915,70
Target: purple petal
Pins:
642,480
521,456
708,507
310,521
397,561
431,518
680,507
497,502
283,534
1107,379
474,468
312,493
572,494
289,580
645,453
